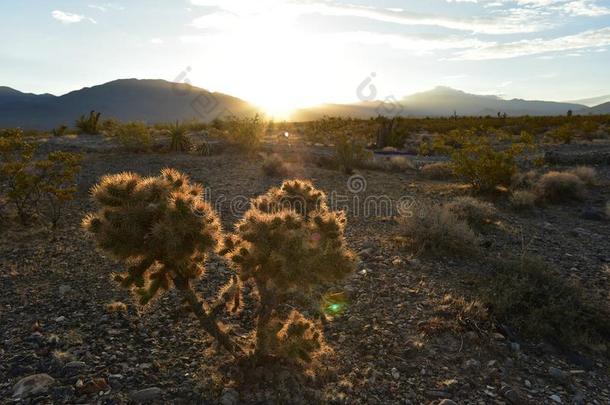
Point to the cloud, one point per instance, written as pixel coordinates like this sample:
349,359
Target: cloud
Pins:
70,18
157,41
583,40
106,7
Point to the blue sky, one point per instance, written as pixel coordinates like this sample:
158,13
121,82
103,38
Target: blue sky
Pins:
284,54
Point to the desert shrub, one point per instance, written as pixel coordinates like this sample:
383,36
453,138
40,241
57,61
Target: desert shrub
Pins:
457,314
161,229
473,211
523,200
290,245
586,174
245,133
35,186
179,141
437,171
134,136
88,124
350,153
59,131
564,133
560,186
484,167
400,164
274,165
109,126
524,180
437,230
540,303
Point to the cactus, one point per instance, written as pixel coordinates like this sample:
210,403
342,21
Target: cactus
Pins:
289,244
89,125
161,228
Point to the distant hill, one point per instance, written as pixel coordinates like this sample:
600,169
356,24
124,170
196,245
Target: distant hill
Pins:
600,109
150,101
441,101
593,101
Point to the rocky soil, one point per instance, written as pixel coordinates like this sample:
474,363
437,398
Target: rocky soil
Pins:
59,343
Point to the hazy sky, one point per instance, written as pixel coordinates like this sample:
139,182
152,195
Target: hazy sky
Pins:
283,54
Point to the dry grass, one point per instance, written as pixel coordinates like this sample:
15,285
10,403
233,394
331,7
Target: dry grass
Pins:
586,174
274,165
437,230
524,180
437,171
116,307
560,186
472,210
400,164
457,314
523,200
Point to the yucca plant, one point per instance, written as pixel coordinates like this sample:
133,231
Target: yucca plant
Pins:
89,125
289,244
179,139
161,229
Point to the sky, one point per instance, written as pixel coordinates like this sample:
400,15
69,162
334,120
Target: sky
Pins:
284,54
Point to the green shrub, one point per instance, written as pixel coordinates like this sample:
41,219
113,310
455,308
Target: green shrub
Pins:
560,186
523,200
435,229
350,153
245,133
134,136
541,304
564,133
35,187
290,245
88,124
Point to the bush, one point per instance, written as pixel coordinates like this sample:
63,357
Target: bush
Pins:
350,153
400,164
521,180
540,303
35,187
523,200
290,245
473,211
564,133
134,136
586,174
436,229
88,125
437,171
179,139
273,165
560,186
59,131
245,133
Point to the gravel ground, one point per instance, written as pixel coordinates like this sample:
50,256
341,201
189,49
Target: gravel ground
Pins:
55,287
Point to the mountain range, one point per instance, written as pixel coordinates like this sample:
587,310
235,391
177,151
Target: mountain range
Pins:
154,101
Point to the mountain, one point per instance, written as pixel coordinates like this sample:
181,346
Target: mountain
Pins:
593,101
441,101
600,109
150,101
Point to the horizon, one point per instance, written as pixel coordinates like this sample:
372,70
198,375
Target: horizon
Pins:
284,55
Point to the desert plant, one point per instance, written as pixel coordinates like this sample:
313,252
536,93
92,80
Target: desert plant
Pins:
59,131
245,133
560,186
350,153
586,174
563,133
134,136
400,164
88,124
437,230
538,302
179,139
35,187
524,180
162,229
523,200
274,165
290,245
437,171
473,211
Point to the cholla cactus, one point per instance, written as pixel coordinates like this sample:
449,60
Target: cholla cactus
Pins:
161,228
289,243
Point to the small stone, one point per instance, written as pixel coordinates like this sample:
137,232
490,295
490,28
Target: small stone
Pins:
60,319
515,347
116,380
395,373
498,336
555,398
472,363
147,394
527,384
397,262
74,367
64,289
447,402
558,374
32,385
229,397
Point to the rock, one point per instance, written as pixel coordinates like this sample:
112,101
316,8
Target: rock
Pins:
447,402
437,394
33,385
558,374
395,373
60,319
511,395
115,380
527,384
555,398
147,394
94,386
229,397
515,347
64,289
365,253
74,367
578,399
472,363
